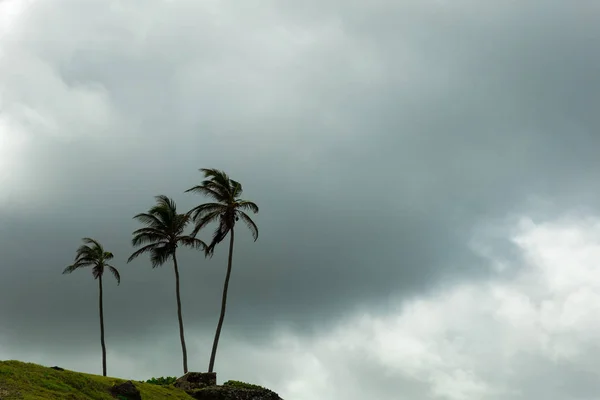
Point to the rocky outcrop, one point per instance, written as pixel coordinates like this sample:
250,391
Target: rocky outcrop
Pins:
126,390
232,393
203,386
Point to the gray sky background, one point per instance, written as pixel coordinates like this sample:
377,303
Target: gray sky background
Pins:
427,173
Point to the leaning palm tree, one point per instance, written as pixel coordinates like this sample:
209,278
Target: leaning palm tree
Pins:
92,254
161,237
226,210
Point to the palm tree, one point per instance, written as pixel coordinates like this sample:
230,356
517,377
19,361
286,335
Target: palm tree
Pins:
227,209
161,237
92,254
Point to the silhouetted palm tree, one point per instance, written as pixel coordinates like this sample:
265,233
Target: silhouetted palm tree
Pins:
92,254
227,209
161,237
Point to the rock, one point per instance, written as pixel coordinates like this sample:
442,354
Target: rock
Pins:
232,393
196,380
57,368
126,390
203,386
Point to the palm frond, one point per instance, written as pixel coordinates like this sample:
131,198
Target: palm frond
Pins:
149,219
247,206
207,191
206,208
221,189
93,242
179,223
235,188
250,224
152,231
192,242
84,260
205,220
164,214
72,268
145,249
165,201
98,271
107,256
85,251
215,174
115,273
148,235
160,255
216,179
218,235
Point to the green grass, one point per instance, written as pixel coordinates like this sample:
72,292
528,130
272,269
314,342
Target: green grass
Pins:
26,381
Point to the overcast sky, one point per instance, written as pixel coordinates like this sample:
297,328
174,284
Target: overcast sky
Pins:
428,176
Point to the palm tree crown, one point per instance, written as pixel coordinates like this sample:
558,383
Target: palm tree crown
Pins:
92,254
227,209
163,232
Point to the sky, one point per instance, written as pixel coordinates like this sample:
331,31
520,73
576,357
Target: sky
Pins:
427,174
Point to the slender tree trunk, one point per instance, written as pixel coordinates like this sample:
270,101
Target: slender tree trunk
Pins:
213,354
179,316
102,329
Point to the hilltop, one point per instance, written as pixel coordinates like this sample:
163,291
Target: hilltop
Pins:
27,381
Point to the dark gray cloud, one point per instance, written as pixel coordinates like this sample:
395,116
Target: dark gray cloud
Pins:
375,137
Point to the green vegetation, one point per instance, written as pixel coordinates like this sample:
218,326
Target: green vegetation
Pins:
26,381
92,254
226,210
161,236
163,380
243,385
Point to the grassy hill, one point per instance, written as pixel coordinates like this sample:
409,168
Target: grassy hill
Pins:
26,381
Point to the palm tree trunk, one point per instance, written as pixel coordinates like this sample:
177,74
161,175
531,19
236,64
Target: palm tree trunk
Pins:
102,329
179,316
213,354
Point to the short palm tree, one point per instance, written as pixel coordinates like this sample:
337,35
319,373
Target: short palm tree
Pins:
92,254
161,237
226,210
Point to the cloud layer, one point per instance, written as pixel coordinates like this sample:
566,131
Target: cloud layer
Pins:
390,146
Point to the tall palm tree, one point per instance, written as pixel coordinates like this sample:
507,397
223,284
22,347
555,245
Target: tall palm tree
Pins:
92,254
161,237
226,210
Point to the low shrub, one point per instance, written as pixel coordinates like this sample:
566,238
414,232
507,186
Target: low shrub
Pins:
243,385
162,381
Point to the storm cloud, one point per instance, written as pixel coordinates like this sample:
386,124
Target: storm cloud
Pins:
394,147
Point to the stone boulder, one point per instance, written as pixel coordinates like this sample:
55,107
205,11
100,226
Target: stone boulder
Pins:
126,390
196,380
